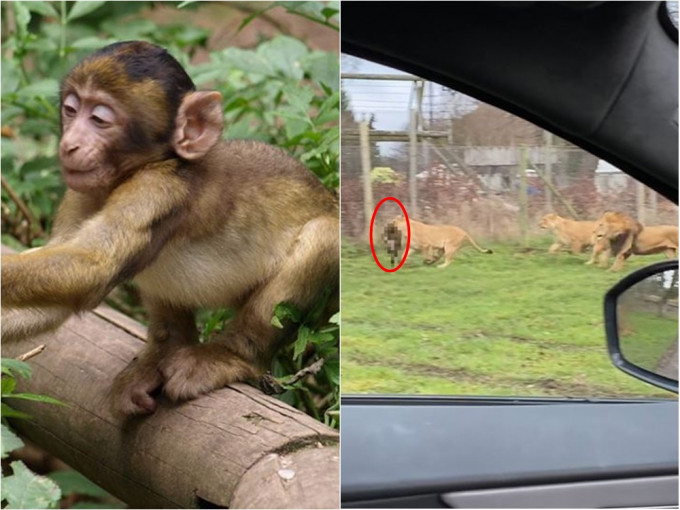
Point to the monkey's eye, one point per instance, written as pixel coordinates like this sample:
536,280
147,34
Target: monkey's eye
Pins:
98,121
102,116
70,105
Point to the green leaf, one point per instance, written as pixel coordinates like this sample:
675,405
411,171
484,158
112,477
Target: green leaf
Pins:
11,78
14,366
23,16
286,311
300,344
83,8
323,67
25,489
320,337
10,441
43,88
248,19
331,10
36,398
8,412
73,482
332,370
44,8
248,61
335,318
285,55
8,385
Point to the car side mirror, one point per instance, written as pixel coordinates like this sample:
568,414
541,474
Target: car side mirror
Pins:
641,322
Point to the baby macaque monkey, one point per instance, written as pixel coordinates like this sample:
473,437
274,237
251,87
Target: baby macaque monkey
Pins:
392,239
156,196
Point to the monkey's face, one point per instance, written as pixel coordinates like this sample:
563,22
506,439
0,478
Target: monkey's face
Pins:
91,129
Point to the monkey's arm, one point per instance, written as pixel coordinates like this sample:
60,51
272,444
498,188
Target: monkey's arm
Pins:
111,246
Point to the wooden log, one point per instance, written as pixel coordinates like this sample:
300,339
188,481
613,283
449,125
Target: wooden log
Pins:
233,448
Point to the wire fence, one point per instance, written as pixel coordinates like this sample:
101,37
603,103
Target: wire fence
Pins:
496,193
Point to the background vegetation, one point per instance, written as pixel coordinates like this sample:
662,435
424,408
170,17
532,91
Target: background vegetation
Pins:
276,65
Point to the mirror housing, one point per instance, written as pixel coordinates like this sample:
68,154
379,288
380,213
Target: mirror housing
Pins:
621,320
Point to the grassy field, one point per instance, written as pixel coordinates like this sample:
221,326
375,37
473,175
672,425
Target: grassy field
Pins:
518,322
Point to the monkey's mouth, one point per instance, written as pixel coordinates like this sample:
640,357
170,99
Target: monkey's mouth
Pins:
75,171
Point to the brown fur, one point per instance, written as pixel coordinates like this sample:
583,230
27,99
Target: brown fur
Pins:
651,240
433,241
615,233
231,224
577,235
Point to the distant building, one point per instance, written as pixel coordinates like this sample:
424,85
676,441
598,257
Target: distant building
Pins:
609,179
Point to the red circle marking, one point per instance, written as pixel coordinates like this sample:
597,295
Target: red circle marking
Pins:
408,237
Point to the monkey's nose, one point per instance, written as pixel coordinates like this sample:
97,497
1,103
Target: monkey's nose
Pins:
68,148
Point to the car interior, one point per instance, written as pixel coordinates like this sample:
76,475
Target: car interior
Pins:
604,76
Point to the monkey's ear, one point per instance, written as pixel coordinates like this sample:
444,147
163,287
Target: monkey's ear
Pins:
198,125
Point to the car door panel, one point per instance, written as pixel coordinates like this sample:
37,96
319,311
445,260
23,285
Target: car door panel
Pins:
412,449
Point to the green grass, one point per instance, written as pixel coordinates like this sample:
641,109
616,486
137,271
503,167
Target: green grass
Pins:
517,322
646,337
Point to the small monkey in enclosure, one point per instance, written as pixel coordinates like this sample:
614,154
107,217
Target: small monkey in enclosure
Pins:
155,195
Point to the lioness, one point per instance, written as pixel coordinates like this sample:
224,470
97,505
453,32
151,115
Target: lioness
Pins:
649,241
575,234
433,241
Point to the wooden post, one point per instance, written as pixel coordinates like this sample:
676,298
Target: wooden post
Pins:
548,152
523,197
413,165
640,201
653,207
420,91
366,176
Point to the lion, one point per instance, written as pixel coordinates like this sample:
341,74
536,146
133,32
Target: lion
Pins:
433,241
575,234
610,238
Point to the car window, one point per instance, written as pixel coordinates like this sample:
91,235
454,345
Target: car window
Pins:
502,291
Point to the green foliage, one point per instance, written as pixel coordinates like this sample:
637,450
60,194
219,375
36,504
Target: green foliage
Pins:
316,340
23,488
280,92
323,13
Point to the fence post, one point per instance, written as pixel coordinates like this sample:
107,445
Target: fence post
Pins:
413,164
523,196
366,176
548,170
640,201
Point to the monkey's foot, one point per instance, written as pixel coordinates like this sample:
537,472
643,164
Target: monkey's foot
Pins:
194,370
133,387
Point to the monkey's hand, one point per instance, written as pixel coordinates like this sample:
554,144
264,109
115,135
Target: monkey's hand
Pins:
197,369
